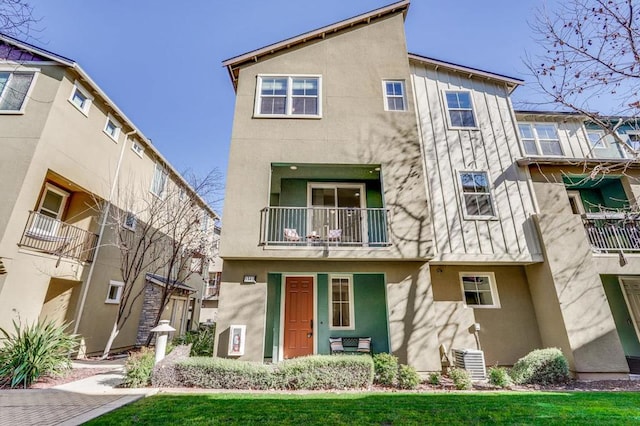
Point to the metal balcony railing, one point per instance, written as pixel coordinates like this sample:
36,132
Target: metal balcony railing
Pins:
324,226
613,232
53,236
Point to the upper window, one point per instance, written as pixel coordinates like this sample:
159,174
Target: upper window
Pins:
80,98
159,181
341,303
285,96
14,87
479,290
633,139
596,139
130,221
112,128
114,293
394,99
540,139
460,109
137,148
476,195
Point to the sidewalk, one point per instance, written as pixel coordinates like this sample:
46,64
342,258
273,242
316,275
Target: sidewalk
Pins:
71,403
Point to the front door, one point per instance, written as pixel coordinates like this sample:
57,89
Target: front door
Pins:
298,317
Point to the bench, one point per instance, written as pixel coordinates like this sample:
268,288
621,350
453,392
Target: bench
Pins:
353,345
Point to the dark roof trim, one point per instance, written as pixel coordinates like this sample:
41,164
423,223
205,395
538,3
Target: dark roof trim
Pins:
160,280
233,64
551,113
464,69
37,50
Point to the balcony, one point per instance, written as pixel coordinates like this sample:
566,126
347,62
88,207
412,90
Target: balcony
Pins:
324,226
613,232
49,235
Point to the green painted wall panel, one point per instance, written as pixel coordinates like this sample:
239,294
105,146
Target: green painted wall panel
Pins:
621,316
272,324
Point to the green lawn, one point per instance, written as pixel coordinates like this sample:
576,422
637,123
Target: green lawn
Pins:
595,408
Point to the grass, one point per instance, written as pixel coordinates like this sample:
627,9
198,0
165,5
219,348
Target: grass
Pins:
563,408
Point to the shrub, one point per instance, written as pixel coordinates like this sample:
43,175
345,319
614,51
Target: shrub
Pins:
222,373
434,378
201,340
408,377
138,368
327,372
386,369
461,378
498,376
542,366
35,350
164,373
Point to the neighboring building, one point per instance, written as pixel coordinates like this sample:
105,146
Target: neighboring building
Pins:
377,193
211,293
68,151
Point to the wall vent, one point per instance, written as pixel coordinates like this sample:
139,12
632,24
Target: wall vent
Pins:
471,360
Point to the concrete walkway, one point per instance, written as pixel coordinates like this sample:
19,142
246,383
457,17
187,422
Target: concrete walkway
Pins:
72,403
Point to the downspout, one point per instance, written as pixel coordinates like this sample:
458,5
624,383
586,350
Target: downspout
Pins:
103,224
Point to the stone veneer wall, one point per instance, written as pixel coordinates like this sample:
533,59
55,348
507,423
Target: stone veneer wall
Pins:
150,309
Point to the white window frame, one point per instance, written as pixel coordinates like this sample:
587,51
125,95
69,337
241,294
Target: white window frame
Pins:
352,322
27,96
158,168
126,224
117,127
89,99
289,96
492,285
537,139
601,144
630,142
65,197
448,114
137,148
114,284
386,96
492,197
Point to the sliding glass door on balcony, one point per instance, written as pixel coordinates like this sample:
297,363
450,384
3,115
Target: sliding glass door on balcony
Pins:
336,212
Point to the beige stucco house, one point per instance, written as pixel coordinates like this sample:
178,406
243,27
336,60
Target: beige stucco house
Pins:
68,153
376,193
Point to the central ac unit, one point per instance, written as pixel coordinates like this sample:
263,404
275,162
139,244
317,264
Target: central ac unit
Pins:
471,360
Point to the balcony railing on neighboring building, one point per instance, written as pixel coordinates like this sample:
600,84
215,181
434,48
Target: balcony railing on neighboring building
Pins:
324,226
613,232
53,236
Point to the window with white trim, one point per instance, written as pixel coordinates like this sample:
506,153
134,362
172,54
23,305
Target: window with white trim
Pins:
137,148
114,293
341,303
633,139
130,221
596,139
80,98
159,180
14,87
112,128
540,139
288,96
476,195
479,289
460,108
394,98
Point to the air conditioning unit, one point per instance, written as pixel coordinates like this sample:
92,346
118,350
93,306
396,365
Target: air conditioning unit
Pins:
471,360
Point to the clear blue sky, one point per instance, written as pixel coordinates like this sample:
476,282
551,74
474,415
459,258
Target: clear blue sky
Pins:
160,60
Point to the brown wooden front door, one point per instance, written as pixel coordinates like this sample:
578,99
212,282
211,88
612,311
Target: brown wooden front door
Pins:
298,317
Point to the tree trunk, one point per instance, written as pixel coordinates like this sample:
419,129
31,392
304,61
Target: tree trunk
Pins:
112,337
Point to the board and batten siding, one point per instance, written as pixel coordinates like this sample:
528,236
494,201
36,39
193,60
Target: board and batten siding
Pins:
493,147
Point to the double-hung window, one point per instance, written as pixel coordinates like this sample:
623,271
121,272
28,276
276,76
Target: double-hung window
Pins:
288,96
476,195
479,289
159,181
540,139
460,109
341,303
14,87
394,98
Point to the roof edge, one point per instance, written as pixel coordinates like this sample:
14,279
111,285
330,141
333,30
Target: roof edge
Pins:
462,68
236,61
37,50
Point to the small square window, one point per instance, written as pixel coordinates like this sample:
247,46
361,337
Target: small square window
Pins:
476,195
80,98
479,289
130,221
112,129
460,109
137,148
394,96
114,293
